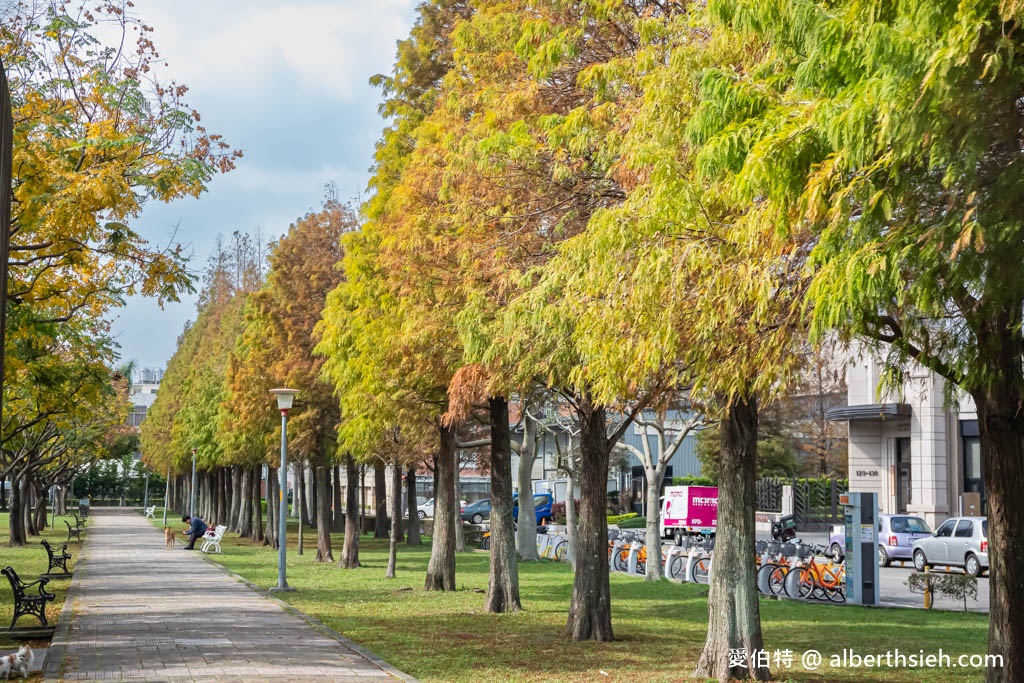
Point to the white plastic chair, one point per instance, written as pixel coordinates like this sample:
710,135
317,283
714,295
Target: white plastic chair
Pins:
211,539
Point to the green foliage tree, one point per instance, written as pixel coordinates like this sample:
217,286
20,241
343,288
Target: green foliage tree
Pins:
891,131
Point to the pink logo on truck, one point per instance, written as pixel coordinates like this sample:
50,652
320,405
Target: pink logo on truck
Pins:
691,506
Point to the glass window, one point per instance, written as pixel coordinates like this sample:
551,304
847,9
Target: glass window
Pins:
965,530
984,528
946,530
540,500
974,475
915,525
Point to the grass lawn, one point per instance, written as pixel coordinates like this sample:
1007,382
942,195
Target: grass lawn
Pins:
659,627
30,561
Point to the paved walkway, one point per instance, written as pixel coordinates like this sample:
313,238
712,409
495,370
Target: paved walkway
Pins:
143,613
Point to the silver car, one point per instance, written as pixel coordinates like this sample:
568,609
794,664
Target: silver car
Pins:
958,542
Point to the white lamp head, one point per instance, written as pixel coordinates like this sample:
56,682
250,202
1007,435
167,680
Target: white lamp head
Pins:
285,397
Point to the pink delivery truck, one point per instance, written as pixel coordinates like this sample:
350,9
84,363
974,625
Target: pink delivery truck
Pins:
688,510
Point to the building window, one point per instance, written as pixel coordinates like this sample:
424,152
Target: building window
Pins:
137,415
974,474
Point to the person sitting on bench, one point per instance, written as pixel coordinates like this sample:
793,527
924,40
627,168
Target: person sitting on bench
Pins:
197,527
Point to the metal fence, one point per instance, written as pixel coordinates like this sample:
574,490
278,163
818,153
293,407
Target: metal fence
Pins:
815,501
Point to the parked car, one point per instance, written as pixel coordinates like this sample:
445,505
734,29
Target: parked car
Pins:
896,537
959,541
426,509
542,503
477,512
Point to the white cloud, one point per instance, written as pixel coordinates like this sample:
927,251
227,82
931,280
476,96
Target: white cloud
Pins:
287,83
332,47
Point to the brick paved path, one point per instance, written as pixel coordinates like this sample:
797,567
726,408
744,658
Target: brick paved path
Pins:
144,613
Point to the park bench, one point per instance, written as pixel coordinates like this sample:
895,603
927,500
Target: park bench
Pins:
75,531
151,512
211,539
80,522
57,561
25,603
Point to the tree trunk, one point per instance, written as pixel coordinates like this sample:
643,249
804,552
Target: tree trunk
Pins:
734,618
223,494
3,493
323,515
503,586
256,497
40,514
526,533
590,613
413,527
396,518
339,505
350,550
26,505
654,476
441,568
273,511
380,498
1002,450
303,514
571,523
362,497
15,521
59,499
312,489
244,524
302,497
236,497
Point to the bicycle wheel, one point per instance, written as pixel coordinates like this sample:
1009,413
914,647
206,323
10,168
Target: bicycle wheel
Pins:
763,574
701,570
799,583
835,589
621,561
675,570
561,550
777,579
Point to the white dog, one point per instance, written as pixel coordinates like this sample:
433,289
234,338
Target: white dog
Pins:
18,661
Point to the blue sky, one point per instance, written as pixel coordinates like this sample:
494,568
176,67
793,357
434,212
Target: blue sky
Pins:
285,82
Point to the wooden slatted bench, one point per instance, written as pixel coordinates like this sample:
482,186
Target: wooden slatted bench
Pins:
57,561
24,603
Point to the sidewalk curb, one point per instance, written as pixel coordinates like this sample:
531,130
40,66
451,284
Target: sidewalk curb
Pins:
54,663
314,622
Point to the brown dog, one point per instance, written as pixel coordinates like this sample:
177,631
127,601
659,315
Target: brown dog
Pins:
169,537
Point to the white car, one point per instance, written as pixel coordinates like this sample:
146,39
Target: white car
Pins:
426,509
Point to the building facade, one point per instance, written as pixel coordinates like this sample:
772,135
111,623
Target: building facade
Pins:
917,447
143,392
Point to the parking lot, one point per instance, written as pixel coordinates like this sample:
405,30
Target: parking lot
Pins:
894,591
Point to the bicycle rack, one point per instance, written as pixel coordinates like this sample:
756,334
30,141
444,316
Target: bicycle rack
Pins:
543,540
634,552
673,550
616,547
557,541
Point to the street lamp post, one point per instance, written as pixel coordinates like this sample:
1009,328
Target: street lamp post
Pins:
285,397
192,496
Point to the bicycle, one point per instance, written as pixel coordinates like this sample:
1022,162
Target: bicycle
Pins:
701,572
782,557
816,579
